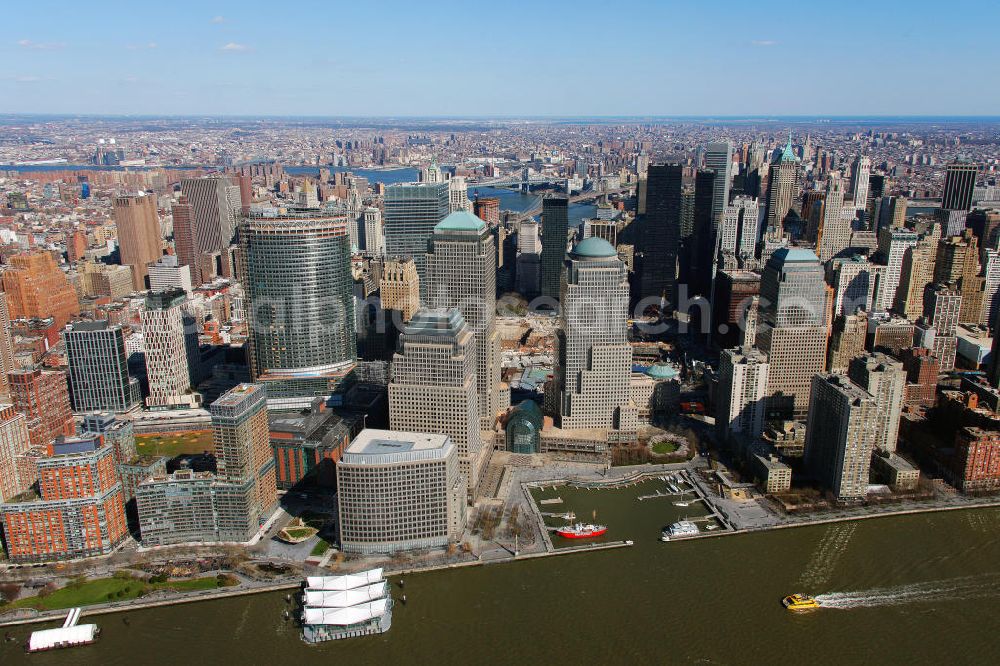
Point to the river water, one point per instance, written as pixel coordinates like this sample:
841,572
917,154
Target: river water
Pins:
918,589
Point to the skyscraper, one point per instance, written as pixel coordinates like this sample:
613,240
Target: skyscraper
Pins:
98,368
215,205
399,288
412,210
719,158
792,328
959,184
782,186
740,227
555,230
433,386
658,243
697,261
741,394
893,244
461,273
166,351
885,379
834,233
297,277
860,171
185,238
594,358
916,273
139,236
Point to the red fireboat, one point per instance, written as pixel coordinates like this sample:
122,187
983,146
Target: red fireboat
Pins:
581,531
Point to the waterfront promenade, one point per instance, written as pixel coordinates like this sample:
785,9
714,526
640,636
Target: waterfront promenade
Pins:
580,475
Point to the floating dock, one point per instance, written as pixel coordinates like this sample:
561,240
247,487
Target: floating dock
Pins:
70,634
337,607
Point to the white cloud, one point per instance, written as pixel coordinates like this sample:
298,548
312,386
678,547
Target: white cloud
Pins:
764,42
233,46
28,79
40,46
136,47
218,19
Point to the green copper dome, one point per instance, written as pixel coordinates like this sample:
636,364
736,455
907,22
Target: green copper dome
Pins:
661,371
594,248
460,220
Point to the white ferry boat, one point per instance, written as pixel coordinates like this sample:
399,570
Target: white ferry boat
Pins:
680,530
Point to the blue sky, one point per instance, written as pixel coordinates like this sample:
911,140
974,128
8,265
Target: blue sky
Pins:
644,57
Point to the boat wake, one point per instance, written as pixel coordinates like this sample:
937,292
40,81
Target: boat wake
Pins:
954,589
827,554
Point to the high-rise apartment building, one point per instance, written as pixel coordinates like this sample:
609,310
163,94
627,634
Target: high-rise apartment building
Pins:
80,511
6,346
461,273
42,396
412,210
840,435
297,278
98,368
139,237
399,288
400,491
594,358
658,243
741,395
792,328
434,388
14,442
231,506
36,288
885,379
166,350
555,230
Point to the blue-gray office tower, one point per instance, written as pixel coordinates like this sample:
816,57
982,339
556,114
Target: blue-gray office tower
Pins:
412,210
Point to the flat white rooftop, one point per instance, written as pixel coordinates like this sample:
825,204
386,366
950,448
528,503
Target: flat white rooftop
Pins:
379,442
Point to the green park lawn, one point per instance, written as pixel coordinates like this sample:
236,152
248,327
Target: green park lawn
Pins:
103,590
174,443
664,447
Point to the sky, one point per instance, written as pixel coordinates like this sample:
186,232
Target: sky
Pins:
504,58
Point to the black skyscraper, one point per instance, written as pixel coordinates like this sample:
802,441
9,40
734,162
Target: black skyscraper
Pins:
659,237
959,184
555,231
698,255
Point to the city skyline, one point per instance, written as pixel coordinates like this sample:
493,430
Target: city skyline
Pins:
209,59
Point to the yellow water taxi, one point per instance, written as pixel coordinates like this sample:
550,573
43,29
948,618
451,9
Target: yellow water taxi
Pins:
799,602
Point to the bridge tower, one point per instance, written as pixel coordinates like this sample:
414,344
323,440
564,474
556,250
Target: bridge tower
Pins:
525,181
